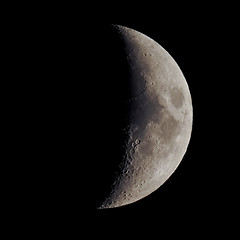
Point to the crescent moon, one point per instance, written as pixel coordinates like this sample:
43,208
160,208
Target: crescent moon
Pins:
160,120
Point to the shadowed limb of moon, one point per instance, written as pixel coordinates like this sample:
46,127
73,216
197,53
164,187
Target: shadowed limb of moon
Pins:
159,122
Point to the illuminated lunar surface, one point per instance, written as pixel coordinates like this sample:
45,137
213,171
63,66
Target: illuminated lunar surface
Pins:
159,120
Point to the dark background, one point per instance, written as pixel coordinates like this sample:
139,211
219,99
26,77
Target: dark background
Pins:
55,121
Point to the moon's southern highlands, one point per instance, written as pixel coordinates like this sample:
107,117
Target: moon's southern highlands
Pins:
158,122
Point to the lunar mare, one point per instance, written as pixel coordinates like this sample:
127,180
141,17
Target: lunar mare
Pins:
160,120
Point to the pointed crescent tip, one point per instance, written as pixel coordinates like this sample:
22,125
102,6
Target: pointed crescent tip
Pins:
114,25
122,30
117,26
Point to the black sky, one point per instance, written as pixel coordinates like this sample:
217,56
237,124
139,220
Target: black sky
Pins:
199,193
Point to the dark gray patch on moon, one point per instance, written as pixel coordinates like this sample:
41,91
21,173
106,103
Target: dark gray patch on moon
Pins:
168,127
148,147
177,97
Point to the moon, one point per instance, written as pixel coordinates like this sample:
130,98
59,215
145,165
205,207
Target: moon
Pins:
159,120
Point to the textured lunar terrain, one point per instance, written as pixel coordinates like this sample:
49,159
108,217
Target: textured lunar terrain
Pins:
159,124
